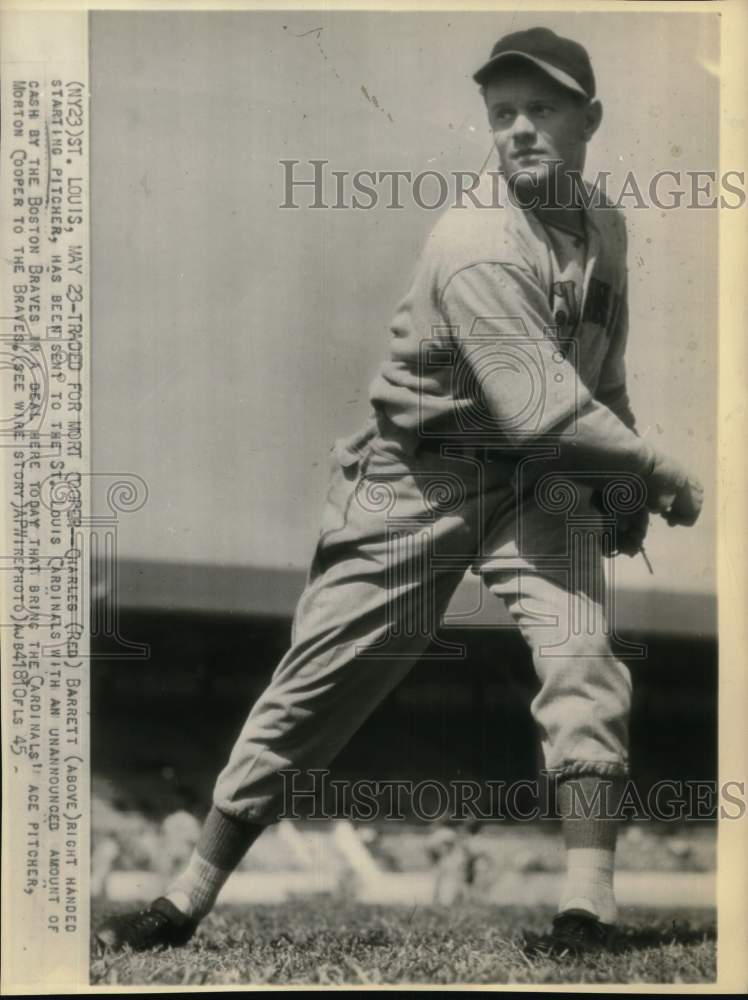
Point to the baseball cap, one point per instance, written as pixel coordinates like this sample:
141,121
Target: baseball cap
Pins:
567,62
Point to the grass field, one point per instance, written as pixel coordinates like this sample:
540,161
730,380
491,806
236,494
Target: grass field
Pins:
334,942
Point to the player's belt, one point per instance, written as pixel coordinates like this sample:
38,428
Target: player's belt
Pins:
452,447
502,461
448,448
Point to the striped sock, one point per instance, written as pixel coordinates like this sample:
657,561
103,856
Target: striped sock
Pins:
222,844
590,840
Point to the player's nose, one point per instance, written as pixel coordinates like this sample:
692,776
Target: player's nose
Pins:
522,127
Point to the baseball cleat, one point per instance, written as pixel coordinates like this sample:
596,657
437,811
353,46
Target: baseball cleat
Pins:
159,925
577,931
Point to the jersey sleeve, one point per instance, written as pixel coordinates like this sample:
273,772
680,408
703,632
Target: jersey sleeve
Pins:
612,390
528,391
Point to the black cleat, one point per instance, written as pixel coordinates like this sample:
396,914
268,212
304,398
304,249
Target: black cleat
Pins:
159,925
578,932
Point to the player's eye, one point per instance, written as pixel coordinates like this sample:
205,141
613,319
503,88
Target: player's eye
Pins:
503,116
542,110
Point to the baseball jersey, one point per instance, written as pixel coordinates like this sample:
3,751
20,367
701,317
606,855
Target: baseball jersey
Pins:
507,335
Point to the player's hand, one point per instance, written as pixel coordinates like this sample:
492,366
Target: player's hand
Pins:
664,482
631,530
686,506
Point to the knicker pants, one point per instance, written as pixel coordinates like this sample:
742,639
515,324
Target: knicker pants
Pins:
400,528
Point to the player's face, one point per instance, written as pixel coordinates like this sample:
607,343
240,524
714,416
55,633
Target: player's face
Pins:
540,129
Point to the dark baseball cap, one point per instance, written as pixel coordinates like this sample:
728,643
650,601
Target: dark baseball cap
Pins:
562,59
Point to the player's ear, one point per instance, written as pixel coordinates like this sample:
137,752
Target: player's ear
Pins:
593,115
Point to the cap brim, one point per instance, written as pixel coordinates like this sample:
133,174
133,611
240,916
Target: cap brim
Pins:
485,73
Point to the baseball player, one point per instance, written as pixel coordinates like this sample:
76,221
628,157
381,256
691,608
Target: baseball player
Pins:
500,423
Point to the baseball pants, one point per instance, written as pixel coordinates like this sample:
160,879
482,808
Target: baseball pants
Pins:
401,525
